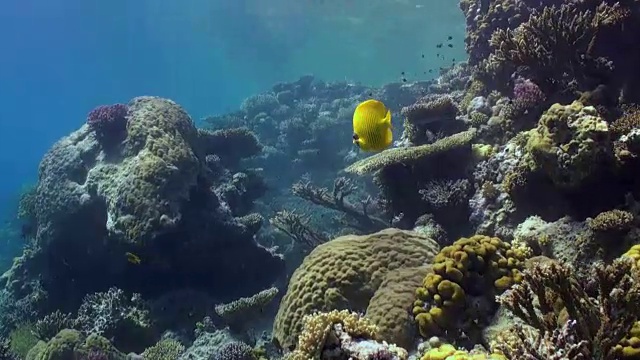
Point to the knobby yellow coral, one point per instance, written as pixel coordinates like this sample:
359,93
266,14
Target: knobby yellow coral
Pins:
470,270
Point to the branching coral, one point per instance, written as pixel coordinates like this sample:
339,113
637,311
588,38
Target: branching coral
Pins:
596,324
411,154
168,349
443,193
109,122
107,312
297,227
336,199
50,325
557,44
240,314
341,334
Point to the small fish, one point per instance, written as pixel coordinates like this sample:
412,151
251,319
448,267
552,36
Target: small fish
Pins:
439,45
450,45
450,37
423,56
133,258
372,126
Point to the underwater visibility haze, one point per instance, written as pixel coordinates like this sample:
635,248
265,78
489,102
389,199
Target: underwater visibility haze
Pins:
320,179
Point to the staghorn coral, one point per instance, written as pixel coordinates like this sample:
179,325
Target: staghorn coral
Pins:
346,273
336,199
597,324
341,334
297,227
240,314
571,144
231,145
167,349
411,154
458,294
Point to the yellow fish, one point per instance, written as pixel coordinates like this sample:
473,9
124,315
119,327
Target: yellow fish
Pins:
133,258
372,126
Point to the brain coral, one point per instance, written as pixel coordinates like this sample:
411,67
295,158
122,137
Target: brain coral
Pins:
353,272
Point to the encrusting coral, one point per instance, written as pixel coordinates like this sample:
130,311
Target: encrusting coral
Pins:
571,144
348,273
460,290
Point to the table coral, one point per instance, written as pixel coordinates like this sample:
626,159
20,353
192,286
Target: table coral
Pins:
347,273
410,154
461,288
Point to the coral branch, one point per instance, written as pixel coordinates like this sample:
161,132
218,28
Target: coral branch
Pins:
336,200
297,228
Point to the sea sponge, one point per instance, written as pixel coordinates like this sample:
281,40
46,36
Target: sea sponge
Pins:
470,271
570,144
411,154
347,273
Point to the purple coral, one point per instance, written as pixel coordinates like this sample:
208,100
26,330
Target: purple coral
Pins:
527,94
108,121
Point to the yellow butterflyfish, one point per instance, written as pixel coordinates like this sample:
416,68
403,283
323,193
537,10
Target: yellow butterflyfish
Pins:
372,126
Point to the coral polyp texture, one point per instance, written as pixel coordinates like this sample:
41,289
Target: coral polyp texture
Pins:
351,272
458,293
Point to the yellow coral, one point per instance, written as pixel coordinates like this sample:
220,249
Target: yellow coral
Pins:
449,352
458,269
349,273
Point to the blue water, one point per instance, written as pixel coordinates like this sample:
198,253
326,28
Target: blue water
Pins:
59,59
